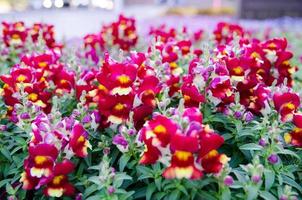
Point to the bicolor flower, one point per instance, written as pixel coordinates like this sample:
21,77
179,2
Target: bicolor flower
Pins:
286,104
78,141
59,185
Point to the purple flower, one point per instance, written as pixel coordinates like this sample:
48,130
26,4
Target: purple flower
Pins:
262,142
97,116
237,114
3,127
14,118
249,116
25,115
283,197
111,190
79,196
106,151
256,178
228,181
273,158
131,132
76,113
69,123
86,119
120,140
193,128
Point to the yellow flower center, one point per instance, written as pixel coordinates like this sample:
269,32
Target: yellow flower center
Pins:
81,139
183,155
21,78
42,64
123,79
40,159
238,70
160,129
33,96
119,107
57,179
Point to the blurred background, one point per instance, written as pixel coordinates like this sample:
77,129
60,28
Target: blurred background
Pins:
75,18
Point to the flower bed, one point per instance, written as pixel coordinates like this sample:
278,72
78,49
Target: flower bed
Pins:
173,115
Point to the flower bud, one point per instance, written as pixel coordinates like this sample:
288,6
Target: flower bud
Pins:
3,127
273,158
256,178
111,190
86,119
249,116
283,197
237,114
228,181
262,142
120,140
25,115
106,151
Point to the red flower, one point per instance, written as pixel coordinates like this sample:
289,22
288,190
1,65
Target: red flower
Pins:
41,160
159,130
193,115
122,32
182,166
28,182
297,120
286,104
47,32
59,185
213,162
184,46
174,84
14,34
192,96
209,140
162,33
151,153
224,32
148,90
94,41
141,114
294,137
78,141
116,108
221,88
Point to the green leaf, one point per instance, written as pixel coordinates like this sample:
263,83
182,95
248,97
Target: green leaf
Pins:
203,195
159,195
251,146
226,194
182,189
90,190
269,178
174,195
267,196
3,182
150,190
252,192
240,176
291,182
123,161
6,153
158,183
288,152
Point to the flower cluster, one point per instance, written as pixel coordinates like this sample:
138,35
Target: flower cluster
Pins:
121,34
16,34
191,145
121,87
50,150
222,108
39,77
